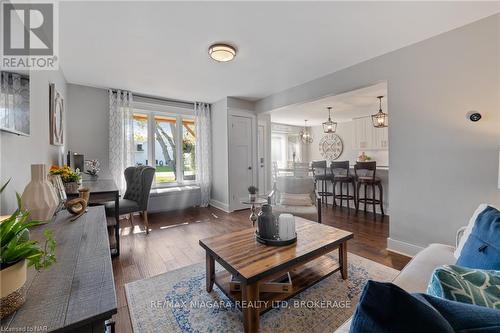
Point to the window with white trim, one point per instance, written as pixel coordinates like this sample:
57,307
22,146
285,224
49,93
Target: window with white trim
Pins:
166,141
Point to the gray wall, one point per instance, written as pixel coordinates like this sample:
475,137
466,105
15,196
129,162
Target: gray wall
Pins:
220,155
442,166
88,128
19,152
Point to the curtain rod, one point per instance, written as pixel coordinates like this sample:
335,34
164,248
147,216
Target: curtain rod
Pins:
163,99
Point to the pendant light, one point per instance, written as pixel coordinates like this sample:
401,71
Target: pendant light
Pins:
329,126
305,136
380,119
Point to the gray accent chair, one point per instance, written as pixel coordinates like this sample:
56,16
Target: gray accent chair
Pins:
136,197
296,185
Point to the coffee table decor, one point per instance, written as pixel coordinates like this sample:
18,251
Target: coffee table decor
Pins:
275,231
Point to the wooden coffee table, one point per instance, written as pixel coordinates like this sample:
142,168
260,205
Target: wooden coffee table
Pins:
253,263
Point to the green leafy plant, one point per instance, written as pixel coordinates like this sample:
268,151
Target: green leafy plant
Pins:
15,244
252,189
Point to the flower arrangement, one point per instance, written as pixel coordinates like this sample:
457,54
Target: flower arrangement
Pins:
92,167
67,174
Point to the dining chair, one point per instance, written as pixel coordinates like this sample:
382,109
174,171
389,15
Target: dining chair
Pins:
136,197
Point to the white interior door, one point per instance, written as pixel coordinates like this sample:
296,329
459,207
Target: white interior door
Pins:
261,156
240,160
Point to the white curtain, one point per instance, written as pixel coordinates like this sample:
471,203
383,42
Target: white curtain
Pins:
203,150
121,139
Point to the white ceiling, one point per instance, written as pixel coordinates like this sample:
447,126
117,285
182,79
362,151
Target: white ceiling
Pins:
160,48
354,104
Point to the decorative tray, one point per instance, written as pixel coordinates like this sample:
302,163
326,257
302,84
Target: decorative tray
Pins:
275,242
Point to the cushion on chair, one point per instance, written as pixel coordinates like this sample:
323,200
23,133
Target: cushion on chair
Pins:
307,212
466,285
126,207
482,247
295,185
295,199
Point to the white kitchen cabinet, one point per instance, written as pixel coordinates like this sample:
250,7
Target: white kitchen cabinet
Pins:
367,137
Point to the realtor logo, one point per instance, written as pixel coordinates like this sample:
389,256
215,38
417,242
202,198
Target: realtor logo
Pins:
29,35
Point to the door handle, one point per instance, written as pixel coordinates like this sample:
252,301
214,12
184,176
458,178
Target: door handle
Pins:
249,168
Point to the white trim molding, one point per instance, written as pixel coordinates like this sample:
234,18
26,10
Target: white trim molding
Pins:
403,248
220,205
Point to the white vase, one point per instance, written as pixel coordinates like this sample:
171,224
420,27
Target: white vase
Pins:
39,196
12,291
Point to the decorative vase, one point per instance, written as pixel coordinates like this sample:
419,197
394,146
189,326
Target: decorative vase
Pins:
39,196
12,291
266,223
71,187
252,197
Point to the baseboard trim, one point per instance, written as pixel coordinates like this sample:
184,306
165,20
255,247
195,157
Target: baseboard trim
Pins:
404,248
220,205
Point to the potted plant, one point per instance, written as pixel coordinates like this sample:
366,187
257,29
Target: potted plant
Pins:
69,177
252,192
18,252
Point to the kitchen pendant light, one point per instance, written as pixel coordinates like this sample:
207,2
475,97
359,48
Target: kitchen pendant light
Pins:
380,119
305,135
329,126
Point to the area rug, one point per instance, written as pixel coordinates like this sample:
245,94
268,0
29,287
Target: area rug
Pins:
177,302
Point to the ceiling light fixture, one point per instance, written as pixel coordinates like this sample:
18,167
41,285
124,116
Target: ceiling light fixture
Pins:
329,126
222,52
305,136
380,119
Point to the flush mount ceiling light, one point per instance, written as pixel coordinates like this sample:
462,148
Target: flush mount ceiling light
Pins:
380,119
329,126
222,52
304,135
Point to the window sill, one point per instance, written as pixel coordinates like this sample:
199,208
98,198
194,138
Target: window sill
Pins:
162,191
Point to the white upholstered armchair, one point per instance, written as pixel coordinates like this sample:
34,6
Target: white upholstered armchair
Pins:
297,196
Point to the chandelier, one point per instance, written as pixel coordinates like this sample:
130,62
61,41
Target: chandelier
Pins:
329,126
305,135
380,119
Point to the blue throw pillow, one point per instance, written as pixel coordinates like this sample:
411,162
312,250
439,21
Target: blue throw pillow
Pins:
482,248
384,307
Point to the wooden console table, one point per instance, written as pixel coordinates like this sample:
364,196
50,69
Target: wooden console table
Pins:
77,293
103,190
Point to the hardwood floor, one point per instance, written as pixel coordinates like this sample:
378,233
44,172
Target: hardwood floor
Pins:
173,243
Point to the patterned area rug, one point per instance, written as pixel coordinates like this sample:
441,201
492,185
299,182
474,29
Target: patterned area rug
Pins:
178,302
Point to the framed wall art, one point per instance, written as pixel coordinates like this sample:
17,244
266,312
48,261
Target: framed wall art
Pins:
56,111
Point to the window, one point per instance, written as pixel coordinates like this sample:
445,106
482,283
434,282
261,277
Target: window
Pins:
166,142
286,148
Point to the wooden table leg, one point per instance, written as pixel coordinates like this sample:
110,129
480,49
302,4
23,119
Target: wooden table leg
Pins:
343,259
251,307
117,226
210,272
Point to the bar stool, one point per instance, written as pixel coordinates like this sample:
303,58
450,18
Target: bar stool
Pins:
321,174
365,175
342,176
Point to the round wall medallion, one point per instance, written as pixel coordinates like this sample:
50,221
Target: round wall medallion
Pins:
331,147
